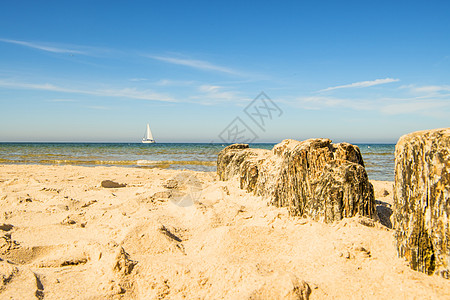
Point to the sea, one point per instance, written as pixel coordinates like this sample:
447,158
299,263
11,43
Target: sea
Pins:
378,158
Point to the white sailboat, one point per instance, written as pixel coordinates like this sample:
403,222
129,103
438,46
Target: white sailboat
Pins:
148,137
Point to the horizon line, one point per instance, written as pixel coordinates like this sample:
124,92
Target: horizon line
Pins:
179,142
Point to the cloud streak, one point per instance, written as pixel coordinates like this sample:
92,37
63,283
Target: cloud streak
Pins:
361,84
430,107
43,47
214,94
319,102
196,64
61,100
168,82
431,89
436,107
130,93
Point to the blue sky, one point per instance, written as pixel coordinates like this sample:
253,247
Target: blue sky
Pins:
353,71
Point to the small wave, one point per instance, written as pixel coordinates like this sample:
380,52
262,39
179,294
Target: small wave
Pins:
2,160
80,162
139,163
175,162
378,154
144,162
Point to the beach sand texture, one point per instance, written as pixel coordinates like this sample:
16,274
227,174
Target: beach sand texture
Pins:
184,234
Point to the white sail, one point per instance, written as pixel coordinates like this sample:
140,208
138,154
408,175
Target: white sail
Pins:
149,133
148,137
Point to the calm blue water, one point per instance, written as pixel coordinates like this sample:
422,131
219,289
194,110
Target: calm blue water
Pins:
378,159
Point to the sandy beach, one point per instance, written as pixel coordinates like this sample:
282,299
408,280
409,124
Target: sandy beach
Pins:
170,234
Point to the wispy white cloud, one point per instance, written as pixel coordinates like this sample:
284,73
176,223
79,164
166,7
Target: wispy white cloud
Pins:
320,102
138,79
427,88
196,64
435,107
35,86
213,94
72,50
130,93
98,107
361,84
61,100
169,82
133,93
43,47
209,88
432,107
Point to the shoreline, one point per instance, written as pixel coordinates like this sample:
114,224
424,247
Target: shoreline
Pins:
198,157
172,233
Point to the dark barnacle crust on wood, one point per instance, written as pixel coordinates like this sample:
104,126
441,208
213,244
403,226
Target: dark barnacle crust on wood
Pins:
422,200
313,178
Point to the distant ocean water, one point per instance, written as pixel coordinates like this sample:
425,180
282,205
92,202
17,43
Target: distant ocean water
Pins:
378,158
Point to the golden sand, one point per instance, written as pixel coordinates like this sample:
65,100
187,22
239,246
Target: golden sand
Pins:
183,234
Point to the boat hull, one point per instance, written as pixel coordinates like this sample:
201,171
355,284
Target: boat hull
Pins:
148,141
